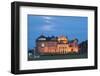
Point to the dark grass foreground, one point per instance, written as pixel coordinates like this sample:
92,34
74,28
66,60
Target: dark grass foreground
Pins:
54,57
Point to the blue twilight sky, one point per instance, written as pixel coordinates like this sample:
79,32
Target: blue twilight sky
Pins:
70,26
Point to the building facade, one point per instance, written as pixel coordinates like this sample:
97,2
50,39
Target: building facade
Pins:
56,45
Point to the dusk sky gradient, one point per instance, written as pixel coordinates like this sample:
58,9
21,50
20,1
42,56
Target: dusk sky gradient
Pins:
70,26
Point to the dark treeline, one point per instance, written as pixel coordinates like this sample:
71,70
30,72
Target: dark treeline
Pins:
83,47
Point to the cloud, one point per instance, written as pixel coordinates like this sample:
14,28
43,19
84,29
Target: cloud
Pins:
48,24
48,28
47,21
47,18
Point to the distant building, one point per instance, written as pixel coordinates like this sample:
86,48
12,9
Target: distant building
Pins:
56,45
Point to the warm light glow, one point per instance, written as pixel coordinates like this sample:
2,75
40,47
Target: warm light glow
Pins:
62,39
61,46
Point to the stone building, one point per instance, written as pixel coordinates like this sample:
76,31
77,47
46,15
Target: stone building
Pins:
56,45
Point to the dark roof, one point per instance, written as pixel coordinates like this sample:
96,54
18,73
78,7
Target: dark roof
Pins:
71,41
76,39
41,36
52,38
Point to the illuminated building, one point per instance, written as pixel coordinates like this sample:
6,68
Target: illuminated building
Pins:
56,45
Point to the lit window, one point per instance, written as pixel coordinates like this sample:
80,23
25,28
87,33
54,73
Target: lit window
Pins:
42,45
